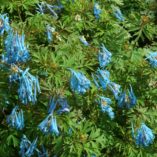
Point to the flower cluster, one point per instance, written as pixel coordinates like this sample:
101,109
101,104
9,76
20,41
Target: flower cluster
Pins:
16,118
127,101
16,51
152,58
143,136
62,103
26,147
105,106
104,56
44,7
101,78
4,23
49,125
28,87
79,83
97,11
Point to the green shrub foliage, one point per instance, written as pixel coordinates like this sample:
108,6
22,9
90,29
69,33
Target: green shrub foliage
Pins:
76,50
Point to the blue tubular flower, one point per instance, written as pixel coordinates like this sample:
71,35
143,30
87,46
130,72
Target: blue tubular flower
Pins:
118,14
26,147
104,56
4,24
101,78
49,31
49,125
152,58
16,51
84,41
52,105
64,107
16,119
43,7
28,87
127,101
105,106
115,88
143,136
97,11
79,83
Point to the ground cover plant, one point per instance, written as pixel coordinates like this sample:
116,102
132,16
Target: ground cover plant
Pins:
78,78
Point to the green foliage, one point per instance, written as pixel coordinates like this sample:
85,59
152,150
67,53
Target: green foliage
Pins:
85,130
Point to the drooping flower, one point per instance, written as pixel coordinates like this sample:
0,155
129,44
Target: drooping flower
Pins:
127,100
105,106
16,118
49,125
97,11
115,88
52,105
84,41
64,107
16,51
26,147
104,56
44,7
28,87
143,136
49,31
4,23
101,78
79,83
118,14
152,58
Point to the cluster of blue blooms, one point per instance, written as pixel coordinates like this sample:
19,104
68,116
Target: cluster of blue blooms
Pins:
152,58
49,124
143,136
79,83
16,51
127,101
4,24
16,118
105,106
44,7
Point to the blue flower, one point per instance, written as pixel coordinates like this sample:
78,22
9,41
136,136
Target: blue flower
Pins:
127,100
105,106
115,88
26,147
4,23
84,41
152,58
97,11
16,51
101,78
44,7
118,14
52,105
16,118
49,31
49,125
79,83
64,107
104,56
28,87
143,136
